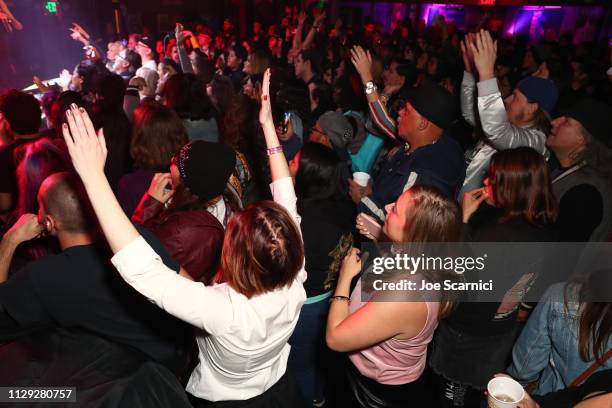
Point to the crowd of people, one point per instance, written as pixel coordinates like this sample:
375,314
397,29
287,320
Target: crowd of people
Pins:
181,227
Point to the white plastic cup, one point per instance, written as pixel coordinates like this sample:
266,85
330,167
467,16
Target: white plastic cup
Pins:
361,178
500,389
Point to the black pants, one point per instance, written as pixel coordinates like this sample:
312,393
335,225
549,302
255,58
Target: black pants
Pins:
371,394
283,394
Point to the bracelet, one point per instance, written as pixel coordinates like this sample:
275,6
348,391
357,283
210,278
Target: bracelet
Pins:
275,150
343,298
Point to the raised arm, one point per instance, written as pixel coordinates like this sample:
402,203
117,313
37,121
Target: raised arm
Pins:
282,184
297,38
468,84
313,30
134,258
279,168
88,152
362,60
182,51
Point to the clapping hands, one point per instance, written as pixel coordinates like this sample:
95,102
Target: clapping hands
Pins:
484,51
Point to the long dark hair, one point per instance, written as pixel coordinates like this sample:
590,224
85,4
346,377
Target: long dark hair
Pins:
595,324
320,175
522,186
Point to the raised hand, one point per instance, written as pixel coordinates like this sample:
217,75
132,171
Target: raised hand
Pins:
302,17
471,201
158,188
485,54
362,60
178,33
87,149
40,85
265,113
466,52
319,20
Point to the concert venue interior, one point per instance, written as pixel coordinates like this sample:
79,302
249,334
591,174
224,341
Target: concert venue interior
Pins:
36,49
306,203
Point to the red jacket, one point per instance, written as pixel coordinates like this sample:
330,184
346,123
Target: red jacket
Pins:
194,238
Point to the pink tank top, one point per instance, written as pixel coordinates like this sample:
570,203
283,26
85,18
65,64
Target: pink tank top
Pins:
395,361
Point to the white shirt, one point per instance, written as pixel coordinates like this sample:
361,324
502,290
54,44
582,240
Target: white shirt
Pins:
148,72
246,350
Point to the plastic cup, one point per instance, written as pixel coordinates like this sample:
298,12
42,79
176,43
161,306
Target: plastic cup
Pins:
504,392
361,178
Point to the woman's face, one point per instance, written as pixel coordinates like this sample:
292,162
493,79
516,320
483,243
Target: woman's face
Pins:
396,217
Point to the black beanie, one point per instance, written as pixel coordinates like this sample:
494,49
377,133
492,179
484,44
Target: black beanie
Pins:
205,167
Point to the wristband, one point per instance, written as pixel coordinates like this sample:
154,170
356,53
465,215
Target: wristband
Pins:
275,150
343,298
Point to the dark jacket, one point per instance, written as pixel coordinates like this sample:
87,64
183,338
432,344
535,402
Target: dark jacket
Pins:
439,165
194,237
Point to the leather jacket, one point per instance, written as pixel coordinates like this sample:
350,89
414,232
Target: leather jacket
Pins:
499,133
193,237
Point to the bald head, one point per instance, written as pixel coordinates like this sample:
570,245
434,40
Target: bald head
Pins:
63,196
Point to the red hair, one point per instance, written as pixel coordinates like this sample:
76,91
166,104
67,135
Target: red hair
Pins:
262,249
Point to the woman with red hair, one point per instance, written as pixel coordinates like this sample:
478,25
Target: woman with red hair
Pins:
250,314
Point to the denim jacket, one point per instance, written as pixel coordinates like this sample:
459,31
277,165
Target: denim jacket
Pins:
547,349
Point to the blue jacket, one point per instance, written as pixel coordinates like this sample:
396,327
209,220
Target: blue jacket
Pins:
440,165
548,346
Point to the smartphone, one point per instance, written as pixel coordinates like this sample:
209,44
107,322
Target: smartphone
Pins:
371,225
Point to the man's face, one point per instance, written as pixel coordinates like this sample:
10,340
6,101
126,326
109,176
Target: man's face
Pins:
227,25
369,28
174,54
517,107
233,62
132,42
299,66
317,135
272,42
391,77
114,48
120,66
204,40
256,27
565,135
408,122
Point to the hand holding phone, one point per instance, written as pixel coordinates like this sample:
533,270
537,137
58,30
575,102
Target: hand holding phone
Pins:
368,227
